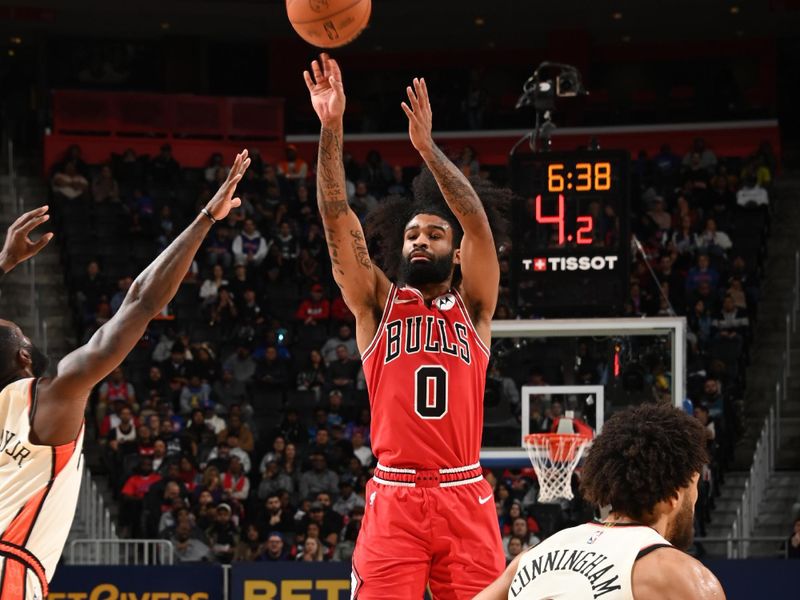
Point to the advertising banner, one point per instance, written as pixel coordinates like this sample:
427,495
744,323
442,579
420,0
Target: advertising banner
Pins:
180,582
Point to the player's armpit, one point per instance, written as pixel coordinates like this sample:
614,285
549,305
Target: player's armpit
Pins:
669,574
498,589
61,400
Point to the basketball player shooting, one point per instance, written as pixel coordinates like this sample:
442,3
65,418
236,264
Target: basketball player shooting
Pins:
41,418
424,341
645,464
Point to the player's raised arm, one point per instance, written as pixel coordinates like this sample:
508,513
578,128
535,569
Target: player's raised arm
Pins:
480,269
61,400
18,247
363,284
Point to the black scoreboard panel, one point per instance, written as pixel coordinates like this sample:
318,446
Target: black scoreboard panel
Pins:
571,247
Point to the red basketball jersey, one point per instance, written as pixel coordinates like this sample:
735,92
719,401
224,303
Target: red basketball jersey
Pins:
426,372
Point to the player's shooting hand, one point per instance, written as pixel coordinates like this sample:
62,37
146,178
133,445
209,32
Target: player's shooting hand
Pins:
420,115
325,85
18,246
223,201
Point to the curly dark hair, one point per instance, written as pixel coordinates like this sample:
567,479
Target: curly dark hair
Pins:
644,455
385,224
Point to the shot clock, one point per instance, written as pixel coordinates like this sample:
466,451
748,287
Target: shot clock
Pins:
571,231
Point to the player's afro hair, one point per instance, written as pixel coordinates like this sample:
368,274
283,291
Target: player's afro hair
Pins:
386,223
644,455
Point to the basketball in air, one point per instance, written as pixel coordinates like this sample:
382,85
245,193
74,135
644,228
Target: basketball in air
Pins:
329,23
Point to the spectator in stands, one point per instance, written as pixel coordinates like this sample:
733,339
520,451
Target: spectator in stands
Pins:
712,398
330,522
228,449
344,549
658,214
793,545
712,240
195,394
228,390
342,373
223,314
288,246
312,376
235,483
215,162
376,174
68,183
218,247
241,431
116,387
344,338
122,437
730,322
133,493
223,534
519,528
467,161
249,547
275,549
209,291
684,239
515,546
293,168
275,517
164,169
340,313
706,158
703,272
250,247
397,185
312,551
210,488
362,202
187,548
241,364
348,499
104,187
315,309
319,479
361,452
272,372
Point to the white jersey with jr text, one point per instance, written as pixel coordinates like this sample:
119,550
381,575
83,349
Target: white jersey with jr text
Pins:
39,488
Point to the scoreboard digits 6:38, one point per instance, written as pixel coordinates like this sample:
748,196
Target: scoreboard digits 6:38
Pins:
571,246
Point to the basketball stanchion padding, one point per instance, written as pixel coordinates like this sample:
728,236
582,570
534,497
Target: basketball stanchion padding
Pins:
554,457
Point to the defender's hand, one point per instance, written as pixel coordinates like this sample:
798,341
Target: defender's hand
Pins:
223,201
326,89
18,246
420,116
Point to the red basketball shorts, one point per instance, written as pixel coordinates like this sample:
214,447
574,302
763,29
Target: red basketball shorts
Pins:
427,527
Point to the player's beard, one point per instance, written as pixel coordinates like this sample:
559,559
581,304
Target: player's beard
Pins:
437,270
681,533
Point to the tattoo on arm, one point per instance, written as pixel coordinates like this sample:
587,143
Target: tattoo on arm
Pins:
455,187
331,193
333,252
360,249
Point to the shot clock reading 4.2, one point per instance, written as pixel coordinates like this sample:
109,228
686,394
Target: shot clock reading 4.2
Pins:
571,232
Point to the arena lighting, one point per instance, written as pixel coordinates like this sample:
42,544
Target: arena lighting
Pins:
549,81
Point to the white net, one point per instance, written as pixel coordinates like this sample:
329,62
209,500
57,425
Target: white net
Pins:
554,458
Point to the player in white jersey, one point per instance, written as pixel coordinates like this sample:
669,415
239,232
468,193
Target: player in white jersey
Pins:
41,418
645,465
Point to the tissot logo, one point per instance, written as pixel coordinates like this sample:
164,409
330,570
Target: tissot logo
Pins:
571,263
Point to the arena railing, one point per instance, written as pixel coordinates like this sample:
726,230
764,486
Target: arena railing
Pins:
99,551
740,535
92,516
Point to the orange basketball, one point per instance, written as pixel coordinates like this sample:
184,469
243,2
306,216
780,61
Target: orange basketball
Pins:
328,23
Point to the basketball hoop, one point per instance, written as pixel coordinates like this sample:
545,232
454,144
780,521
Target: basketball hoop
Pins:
554,457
